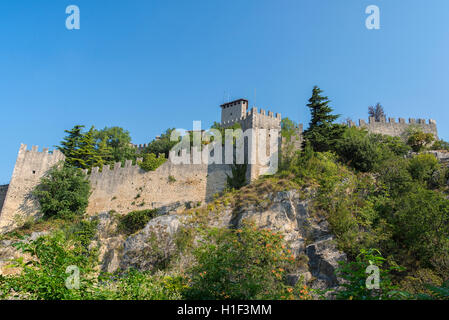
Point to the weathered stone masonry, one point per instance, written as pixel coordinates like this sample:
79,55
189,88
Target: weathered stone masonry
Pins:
396,129
30,166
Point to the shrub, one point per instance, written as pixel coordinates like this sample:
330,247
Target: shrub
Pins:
238,178
421,225
417,139
358,150
355,287
44,277
137,285
240,264
150,162
63,192
426,168
440,145
136,220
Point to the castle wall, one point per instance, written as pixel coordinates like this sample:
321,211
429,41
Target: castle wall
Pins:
396,129
31,166
131,188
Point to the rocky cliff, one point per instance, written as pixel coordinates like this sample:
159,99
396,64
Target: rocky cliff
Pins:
288,212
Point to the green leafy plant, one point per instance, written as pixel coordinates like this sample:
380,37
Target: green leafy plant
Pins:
354,272
237,179
135,220
63,192
417,139
150,162
240,264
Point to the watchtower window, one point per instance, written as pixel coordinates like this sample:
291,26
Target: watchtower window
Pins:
34,171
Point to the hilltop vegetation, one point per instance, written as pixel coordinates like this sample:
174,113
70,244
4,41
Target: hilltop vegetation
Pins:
385,206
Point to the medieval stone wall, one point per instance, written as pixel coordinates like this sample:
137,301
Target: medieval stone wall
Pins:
128,188
396,129
31,166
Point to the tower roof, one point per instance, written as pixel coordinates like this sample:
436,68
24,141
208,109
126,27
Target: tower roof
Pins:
235,102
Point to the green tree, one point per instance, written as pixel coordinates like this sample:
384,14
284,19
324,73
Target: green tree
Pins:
162,145
118,144
63,192
70,145
421,225
356,149
417,139
322,132
87,154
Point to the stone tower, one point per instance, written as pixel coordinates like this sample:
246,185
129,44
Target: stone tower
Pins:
31,166
238,112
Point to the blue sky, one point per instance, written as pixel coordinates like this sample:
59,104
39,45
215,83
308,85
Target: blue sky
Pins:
150,65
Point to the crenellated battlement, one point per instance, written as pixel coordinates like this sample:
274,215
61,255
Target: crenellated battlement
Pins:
45,151
31,165
253,118
390,126
117,167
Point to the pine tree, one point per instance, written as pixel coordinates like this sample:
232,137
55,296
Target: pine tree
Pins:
322,132
70,145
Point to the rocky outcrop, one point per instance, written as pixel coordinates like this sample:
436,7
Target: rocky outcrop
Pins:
307,235
288,212
153,246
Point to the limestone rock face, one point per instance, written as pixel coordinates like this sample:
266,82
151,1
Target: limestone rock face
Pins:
307,235
153,246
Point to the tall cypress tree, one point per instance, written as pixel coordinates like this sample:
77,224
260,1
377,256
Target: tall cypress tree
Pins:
322,132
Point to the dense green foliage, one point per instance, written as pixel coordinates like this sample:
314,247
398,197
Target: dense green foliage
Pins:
354,272
136,220
150,162
96,148
162,145
240,264
418,140
63,192
45,277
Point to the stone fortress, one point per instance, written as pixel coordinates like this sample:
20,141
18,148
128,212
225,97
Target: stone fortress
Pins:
128,188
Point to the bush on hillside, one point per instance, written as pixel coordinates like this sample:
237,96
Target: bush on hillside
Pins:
63,192
358,150
150,162
135,220
240,264
417,139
